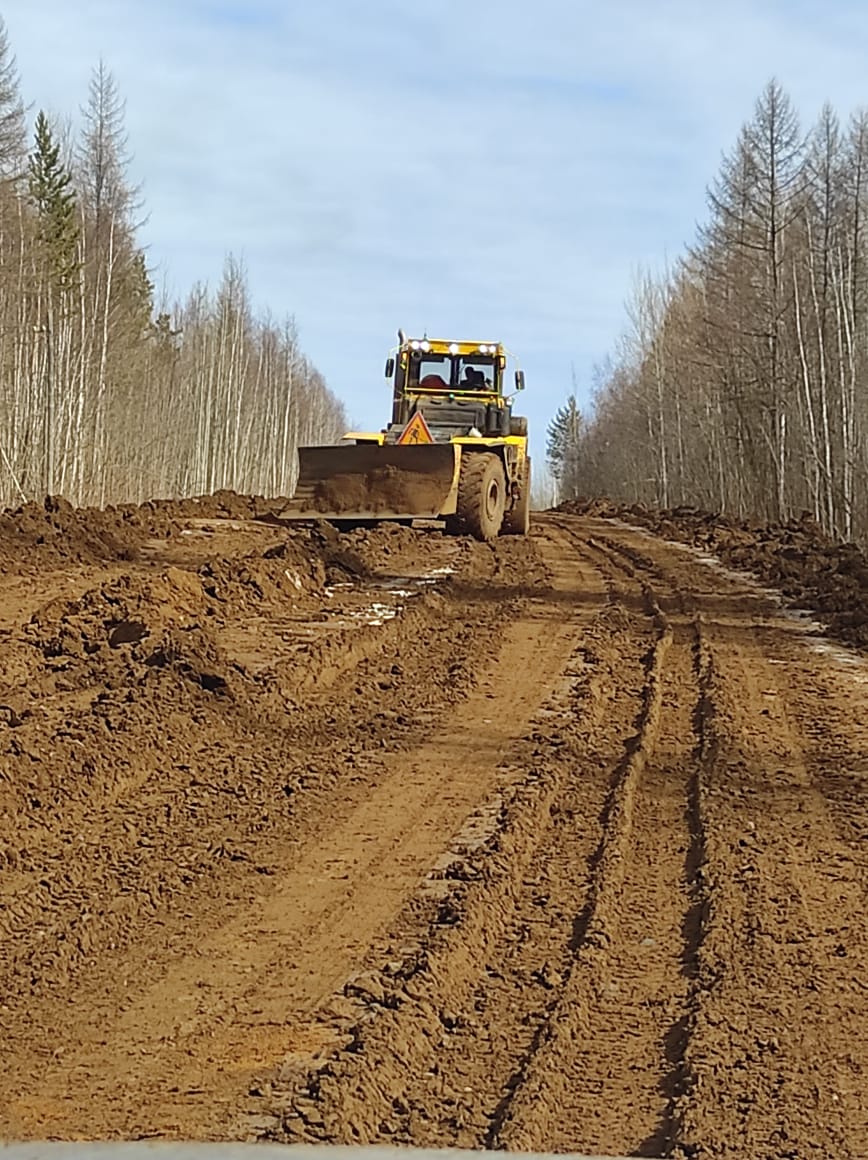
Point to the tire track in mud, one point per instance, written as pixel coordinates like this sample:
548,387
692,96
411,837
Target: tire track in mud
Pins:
559,907
182,1021
779,999
506,1033
609,1062
776,1053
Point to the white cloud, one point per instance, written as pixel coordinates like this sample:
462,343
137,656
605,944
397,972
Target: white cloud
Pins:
495,168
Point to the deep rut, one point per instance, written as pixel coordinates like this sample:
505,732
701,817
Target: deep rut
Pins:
626,946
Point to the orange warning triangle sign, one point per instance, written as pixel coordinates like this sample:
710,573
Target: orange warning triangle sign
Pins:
416,431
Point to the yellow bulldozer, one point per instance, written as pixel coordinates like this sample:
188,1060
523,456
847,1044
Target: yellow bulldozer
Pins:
452,451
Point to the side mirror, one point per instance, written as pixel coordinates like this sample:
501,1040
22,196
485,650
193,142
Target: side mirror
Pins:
519,380
390,367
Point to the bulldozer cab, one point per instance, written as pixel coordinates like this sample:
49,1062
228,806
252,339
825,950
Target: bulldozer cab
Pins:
456,386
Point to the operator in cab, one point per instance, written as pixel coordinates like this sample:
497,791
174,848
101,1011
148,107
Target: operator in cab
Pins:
474,380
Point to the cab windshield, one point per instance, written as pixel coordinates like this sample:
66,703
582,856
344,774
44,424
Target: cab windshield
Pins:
475,374
435,372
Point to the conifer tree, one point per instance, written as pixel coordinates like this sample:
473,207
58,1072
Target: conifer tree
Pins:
52,193
101,159
564,447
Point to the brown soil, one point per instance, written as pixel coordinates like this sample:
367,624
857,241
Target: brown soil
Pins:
811,570
383,489
386,836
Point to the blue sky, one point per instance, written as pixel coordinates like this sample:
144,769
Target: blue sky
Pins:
479,168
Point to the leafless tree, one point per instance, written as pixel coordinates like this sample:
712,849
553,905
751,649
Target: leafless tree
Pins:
103,396
742,380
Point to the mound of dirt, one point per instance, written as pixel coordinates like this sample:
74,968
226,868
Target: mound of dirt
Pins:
811,569
283,574
223,504
115,633
126,628
383,548
54,533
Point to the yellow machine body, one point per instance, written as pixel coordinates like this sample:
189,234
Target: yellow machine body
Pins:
448,409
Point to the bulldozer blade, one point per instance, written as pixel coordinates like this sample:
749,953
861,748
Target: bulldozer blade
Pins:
373,482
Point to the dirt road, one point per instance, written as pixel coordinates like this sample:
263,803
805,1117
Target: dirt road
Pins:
558,844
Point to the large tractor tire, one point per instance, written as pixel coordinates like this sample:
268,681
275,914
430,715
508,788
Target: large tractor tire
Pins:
517,521
481,496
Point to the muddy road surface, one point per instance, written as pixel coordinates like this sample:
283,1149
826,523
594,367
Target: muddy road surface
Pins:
556,844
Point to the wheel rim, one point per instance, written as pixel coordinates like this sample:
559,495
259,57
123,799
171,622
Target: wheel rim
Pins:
492,499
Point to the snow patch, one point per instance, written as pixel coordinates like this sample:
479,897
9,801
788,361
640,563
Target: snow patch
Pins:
853,665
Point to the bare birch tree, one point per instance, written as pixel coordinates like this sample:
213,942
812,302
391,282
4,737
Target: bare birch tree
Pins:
742,380
104,398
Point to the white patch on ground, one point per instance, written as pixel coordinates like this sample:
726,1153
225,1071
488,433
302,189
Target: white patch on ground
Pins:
331,589
853,665
378,613
409,586
395,590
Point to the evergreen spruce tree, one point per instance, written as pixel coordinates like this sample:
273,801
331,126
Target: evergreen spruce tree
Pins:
563,447
51,191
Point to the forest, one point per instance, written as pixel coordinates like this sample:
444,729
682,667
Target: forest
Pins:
107,395
740,383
